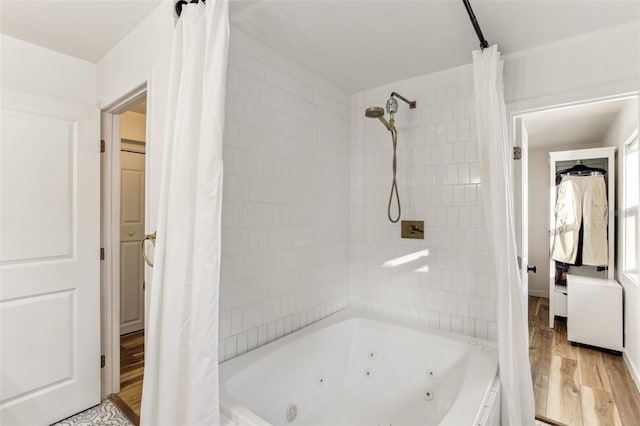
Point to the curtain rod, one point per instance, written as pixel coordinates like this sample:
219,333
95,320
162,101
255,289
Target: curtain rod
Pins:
472,17
181,3
476,26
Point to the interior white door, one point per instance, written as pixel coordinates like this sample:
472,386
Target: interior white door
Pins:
521,198
131,234
49,259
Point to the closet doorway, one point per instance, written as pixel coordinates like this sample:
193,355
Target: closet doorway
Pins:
574,384
132,230
125,147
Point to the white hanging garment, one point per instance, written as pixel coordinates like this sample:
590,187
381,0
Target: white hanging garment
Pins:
581,200
495,164
181,351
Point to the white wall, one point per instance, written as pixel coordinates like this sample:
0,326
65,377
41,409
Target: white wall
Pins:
449,288
539,187
589,62
619,132
285,212
143,57
34,69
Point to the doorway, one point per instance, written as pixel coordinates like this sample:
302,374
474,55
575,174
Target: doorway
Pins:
573,383
132,231
124,218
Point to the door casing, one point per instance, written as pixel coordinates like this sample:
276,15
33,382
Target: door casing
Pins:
110,234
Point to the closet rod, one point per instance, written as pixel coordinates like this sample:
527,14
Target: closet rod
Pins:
476,26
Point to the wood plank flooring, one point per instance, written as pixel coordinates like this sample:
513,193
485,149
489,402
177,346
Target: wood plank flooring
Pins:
131,371
577,385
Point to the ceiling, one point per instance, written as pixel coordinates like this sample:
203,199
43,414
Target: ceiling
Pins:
363,44
573,126
86,29
355,44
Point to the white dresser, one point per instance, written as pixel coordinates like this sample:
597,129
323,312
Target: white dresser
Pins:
594,312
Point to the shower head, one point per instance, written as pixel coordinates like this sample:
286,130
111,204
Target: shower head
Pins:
374,112
378,112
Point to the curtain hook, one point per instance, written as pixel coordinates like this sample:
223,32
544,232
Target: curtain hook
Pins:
179,5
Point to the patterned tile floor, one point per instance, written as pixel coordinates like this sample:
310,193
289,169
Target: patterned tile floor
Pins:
108,414
105,413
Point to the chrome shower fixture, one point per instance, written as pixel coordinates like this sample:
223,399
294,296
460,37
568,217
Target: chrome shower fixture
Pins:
392,108
378,112
392,105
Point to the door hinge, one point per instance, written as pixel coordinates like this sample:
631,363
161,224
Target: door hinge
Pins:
103,146
103,361
101,253
517,153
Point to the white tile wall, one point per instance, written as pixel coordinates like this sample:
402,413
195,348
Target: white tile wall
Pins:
307,180
285,223
450,284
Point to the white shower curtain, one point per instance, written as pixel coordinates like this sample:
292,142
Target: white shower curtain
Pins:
495,163
181,347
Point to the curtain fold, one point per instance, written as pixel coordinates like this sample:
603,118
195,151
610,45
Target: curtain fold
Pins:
181,336
497,187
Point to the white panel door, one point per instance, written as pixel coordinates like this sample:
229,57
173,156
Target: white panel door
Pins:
49,259
131,234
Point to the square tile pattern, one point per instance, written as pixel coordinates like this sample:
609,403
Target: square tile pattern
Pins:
446,280
285,224
307,177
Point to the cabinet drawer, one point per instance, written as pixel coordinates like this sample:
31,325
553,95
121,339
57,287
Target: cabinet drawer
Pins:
560,304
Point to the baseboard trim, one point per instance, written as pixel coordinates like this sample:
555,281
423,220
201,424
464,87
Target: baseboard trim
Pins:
539,293
633,370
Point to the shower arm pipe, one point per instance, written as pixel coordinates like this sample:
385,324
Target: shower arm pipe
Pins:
483,43
412,104
388,124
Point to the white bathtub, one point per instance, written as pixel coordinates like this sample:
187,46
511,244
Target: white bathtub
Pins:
352,369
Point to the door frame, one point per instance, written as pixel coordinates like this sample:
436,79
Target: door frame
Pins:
521,209
607,92
110,233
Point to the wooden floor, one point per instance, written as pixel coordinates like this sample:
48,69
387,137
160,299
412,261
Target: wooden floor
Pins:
577,385
131,370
